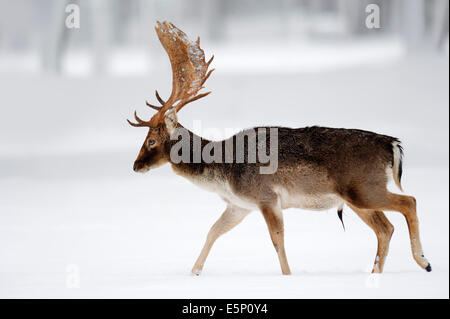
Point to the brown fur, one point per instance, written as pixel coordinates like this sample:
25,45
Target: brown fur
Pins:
314,162
318,167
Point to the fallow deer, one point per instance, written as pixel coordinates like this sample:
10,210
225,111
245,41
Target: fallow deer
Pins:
318,168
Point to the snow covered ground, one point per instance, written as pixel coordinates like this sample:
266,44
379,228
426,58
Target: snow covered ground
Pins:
75,221
124,237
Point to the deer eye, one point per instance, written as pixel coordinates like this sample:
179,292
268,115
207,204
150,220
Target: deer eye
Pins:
151,143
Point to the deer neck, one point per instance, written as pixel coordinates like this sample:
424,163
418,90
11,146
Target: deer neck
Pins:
195,166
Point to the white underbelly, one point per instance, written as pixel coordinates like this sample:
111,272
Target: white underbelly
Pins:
286,199
223,189
308,201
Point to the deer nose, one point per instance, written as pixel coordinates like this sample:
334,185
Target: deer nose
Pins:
135,167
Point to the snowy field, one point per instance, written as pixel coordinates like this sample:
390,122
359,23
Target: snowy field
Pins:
75,221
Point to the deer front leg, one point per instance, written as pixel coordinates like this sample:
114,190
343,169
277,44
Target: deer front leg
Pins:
230,218
274,220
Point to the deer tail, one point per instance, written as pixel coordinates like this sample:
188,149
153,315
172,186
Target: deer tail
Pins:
397,163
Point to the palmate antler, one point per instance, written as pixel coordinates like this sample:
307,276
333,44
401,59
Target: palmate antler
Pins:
189,72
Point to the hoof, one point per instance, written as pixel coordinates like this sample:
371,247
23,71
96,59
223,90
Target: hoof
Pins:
428,268
196,272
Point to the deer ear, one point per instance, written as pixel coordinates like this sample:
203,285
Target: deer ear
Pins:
171,120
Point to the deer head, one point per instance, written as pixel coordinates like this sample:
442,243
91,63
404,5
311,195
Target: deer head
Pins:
189,73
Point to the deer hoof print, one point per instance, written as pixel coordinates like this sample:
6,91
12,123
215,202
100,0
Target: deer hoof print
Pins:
428,268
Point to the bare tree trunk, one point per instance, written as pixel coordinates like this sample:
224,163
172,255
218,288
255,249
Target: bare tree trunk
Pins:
215,16
100,31
57,38
286,7
147,17
353,12
413,24
440,22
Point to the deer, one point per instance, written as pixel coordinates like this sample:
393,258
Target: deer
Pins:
319,168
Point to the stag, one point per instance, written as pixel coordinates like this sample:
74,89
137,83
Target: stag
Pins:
318,168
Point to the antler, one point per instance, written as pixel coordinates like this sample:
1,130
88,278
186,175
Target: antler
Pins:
139,123
189,71
160,100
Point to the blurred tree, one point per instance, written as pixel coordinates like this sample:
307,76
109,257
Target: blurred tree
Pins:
440,23
101,32
215,12
55,37
413,23
37,27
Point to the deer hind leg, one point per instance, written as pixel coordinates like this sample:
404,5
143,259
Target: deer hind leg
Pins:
383,230
274,220
229,219
379,198
407,206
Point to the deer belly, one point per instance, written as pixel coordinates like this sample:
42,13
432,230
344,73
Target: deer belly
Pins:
228,196
223,189
287,199
308,201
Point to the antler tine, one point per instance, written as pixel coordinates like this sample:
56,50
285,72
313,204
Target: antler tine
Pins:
138,119
207,75
210,60
153,106
139,123
160,100
134,124
195,98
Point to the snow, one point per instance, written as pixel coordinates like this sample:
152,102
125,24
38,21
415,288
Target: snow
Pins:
127,238
75,221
